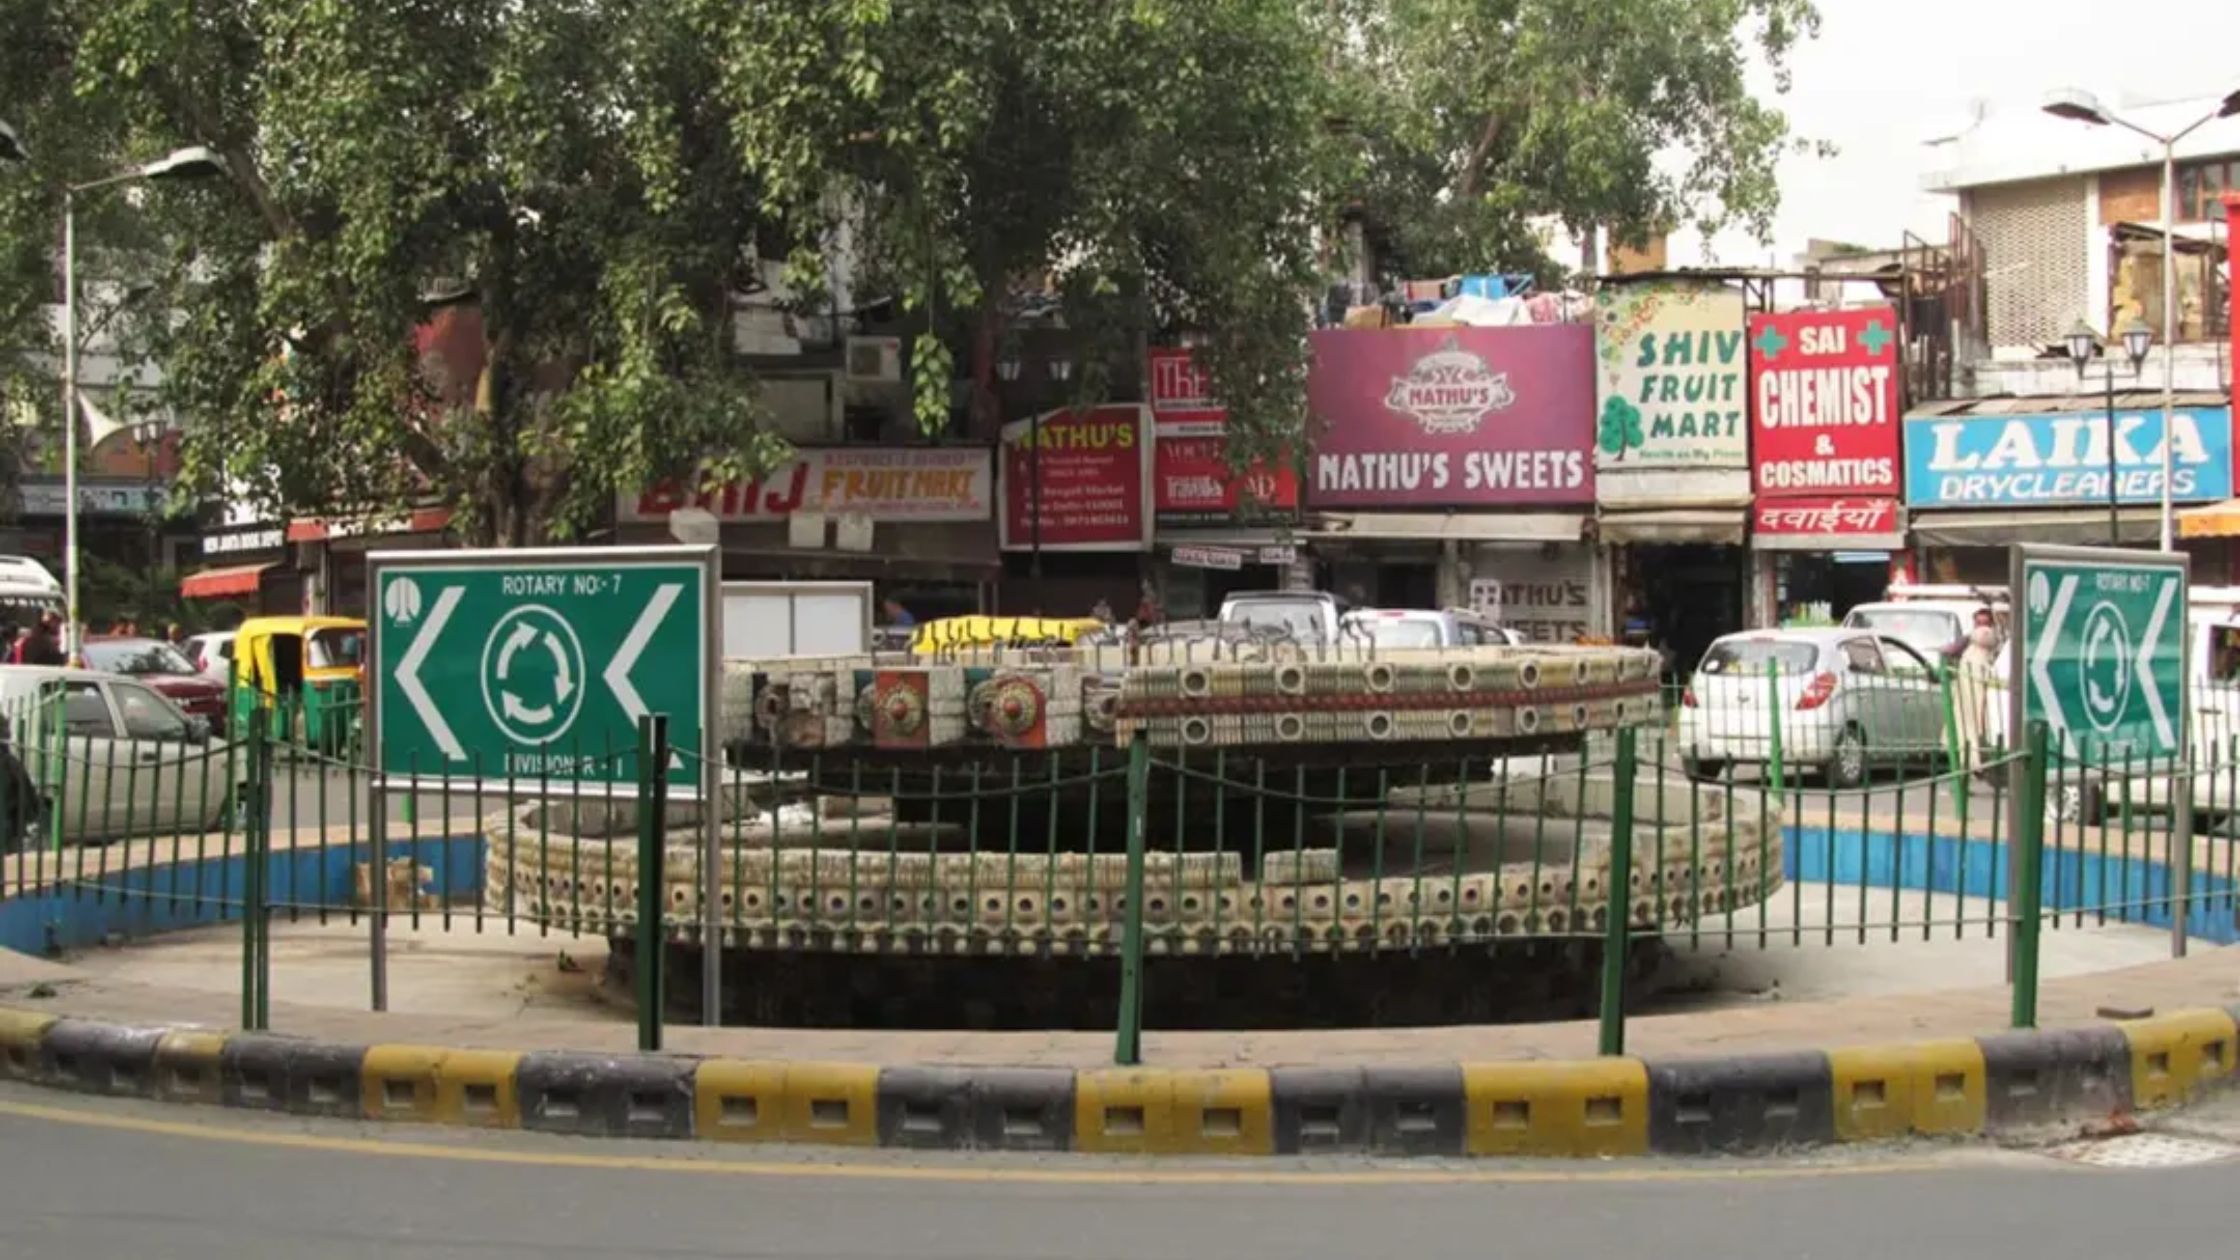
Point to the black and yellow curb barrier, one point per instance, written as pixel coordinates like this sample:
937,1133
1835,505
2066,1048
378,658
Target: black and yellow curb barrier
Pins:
2005,1084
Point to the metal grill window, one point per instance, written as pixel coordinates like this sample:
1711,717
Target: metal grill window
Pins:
2035,257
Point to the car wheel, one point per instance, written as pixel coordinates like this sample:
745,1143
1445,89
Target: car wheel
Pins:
1703,767
1847,765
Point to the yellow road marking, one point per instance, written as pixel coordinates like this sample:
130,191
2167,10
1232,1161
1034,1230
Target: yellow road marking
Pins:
993,1175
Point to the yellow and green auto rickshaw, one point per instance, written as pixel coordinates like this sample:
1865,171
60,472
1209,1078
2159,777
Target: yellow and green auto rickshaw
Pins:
968,633
306,673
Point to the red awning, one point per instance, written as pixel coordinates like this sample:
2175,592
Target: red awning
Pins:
241,579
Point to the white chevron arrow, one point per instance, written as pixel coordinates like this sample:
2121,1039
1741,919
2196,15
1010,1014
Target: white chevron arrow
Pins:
2041,660
2145,665
617,672
408,674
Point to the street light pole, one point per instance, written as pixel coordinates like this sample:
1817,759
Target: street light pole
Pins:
2082,342
2080,106
192,162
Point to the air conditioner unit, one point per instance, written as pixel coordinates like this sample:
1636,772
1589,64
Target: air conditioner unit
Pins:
875,359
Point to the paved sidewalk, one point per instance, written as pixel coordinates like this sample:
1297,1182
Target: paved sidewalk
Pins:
2210,976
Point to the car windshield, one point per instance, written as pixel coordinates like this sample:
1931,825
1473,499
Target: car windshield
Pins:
1396,632
338,649
1300,621
137,656
1928,629
1749,656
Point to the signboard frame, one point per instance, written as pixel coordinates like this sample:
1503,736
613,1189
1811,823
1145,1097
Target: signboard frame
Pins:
381,564
2023,561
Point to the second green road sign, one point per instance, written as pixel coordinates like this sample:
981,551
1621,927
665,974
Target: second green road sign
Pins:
2099,649
534,666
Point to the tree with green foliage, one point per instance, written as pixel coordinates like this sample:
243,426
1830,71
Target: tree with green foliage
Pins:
564,166
1477,117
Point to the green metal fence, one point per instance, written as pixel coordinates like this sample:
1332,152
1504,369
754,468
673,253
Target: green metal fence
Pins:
1149,857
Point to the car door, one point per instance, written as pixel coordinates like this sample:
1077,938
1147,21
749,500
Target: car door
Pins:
86,796
1868,686
1915,693
177,779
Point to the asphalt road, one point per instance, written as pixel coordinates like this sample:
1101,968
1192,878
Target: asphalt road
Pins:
92,1178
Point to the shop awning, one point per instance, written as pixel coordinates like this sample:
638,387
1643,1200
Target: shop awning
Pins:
1675,525
1455,526
2211,520
2076,526
240,579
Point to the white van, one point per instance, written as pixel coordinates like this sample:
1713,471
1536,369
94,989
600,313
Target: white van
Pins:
1932,617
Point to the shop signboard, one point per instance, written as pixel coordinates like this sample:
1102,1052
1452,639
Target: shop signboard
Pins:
1547,599
1191,477
1451,417
1093,488
1824,403
1182,393
2063,459
920,484
1190,557
1827,524
1670,379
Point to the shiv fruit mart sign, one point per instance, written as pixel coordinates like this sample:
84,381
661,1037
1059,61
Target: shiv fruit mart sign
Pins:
1670,373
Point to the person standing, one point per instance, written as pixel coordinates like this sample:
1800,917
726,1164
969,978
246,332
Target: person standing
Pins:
1975,670
896,615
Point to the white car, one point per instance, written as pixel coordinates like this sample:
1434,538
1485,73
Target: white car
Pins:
113,757
1845,699
1928,626
1423,628
212,653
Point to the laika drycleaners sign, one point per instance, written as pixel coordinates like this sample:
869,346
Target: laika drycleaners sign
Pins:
2050,460
1451,417
1671,378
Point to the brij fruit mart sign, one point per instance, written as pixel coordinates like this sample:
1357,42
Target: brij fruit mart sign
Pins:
1078,480
1670,378
1451,417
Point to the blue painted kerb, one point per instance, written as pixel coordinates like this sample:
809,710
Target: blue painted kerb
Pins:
2134,889
197,892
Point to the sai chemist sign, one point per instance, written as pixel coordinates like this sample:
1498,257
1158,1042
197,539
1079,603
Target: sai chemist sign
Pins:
536,665
2100,649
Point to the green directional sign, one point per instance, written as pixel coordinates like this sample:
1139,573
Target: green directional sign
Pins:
535,666
2099,652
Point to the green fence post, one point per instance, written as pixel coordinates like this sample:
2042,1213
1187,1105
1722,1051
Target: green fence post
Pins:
1773,729
653,802
256,964
1128,1051
2030,836
1955,757
1617,925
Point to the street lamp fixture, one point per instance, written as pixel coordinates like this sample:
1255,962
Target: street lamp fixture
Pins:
2082,343
1061,369
2078,105
1008,368
2137,338
192,162
11,145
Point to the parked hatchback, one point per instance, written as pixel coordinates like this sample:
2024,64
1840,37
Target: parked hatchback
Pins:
164,668
1843,701
112,758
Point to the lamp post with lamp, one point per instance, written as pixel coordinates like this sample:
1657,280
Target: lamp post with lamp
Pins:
2081,106
2083,342
192,162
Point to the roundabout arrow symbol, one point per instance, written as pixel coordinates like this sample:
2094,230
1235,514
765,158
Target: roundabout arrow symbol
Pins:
533,715
2145,666
563,683
408,674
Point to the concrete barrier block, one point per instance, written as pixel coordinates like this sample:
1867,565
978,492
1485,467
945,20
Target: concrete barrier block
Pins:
2176,1055
1930,1087
1022,1109
96,1058
399,1082
737,1101
1760,1102
1124,1111
832,1104
267,1073
20,1032
1591,1107
1319,1109
2059,1077
187,1068
478,1088
1224,1111
925,1108
1415,1110
591,1095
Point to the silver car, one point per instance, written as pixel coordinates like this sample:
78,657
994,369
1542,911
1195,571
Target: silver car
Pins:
112,757
1842,700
